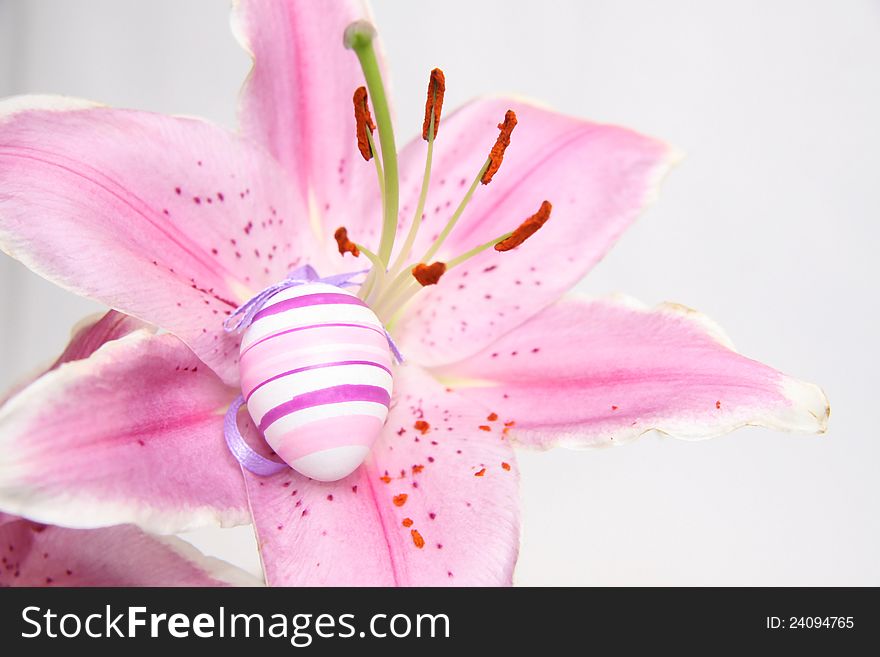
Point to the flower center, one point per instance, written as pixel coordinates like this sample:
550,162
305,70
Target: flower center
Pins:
390,286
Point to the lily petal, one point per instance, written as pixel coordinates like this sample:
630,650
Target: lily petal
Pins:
132,434
437,508
591,373
297,102
40,555
86,337
172,220
598,178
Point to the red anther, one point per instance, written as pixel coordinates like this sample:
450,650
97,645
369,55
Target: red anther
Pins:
526,229
436,89
501,144
429,274
345,245
363,122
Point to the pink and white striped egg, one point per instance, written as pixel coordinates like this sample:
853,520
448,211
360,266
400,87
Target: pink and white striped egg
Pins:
316,375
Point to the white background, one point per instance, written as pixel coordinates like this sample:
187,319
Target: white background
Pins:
770,226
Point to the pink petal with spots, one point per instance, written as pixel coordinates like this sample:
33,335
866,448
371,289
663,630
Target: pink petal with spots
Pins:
464,528
597,177
40,555
298,103
172,220
86,337
134,433
586,373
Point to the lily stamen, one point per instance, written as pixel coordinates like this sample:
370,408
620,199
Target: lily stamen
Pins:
388,289
489,169
436,90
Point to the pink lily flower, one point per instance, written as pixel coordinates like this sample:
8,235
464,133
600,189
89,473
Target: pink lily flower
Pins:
177,222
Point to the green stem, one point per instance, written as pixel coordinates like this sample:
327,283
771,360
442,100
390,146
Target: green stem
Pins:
359,37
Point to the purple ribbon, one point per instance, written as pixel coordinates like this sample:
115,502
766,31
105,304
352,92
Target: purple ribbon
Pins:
244,453
239,321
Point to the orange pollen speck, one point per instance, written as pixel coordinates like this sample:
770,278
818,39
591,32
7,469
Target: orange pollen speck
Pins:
429,274
421,426
526,229
417,469
363,121
484,427
399,500
509,424
436,89
506,466
345,245
480,473
501,144
385,478
492,417
505,431
407,522
418,541
718,404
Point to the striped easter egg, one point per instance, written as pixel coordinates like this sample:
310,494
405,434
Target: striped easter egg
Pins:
316,375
